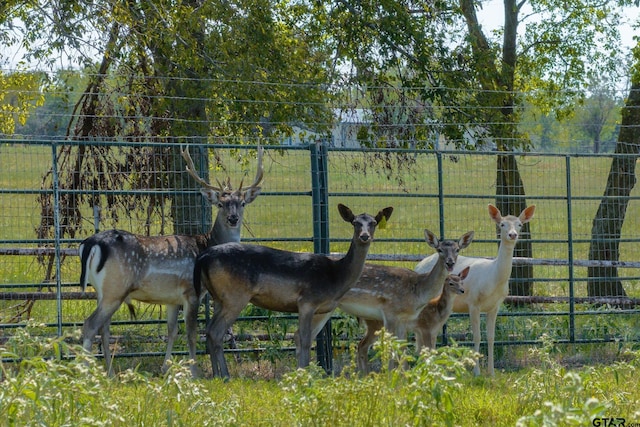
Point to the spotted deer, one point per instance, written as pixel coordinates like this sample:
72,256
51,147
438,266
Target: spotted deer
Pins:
487,284
433,317
237,274
122,266
394,296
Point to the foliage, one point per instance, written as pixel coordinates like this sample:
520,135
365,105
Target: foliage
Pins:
435,47
61,92
170,72
592,126
19,96
52,382
426,396
575,401
49,387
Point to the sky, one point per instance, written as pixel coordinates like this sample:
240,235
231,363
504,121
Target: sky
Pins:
491,16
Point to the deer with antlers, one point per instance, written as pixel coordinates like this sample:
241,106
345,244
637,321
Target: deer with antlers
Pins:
237,274
122,266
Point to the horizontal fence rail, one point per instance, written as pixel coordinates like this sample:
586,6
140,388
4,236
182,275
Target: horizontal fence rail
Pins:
47,211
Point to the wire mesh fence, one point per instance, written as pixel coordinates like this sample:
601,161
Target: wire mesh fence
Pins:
56,193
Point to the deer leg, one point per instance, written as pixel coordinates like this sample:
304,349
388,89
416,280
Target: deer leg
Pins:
214,343
474,317
433,337
422,339
372,326
172,333
491,335
400,332
223,317
317,323
191,324
100,320
303,344
105,333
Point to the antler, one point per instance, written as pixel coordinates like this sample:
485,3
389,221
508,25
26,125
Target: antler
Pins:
259,174
191,170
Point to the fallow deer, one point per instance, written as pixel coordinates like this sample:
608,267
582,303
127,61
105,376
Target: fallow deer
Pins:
237,274
394,296
487,284
433,317
123,266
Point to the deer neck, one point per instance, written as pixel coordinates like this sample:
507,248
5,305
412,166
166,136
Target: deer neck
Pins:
351,265
445,300
430,285
504,260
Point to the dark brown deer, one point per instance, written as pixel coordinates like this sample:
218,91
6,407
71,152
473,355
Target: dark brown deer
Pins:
237,274
394,296
433,317
122,266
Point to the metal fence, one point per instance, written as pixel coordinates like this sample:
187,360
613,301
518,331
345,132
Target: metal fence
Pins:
47,210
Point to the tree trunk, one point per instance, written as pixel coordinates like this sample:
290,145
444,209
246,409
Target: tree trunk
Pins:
190,213
607,224
191,122
511,201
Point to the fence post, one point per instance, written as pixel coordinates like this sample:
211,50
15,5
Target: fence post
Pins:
56,233
445,336
320,200
572,301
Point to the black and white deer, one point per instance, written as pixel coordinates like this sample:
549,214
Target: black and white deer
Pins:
237,274
122,266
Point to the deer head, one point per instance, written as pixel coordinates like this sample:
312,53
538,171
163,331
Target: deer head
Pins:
230,202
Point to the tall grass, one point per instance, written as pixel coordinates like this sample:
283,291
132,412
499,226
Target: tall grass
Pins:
55,384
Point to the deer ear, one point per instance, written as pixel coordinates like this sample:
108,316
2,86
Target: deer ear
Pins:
463,274
466,239
211,195
431,239
384,213
495,214
345,213
527,214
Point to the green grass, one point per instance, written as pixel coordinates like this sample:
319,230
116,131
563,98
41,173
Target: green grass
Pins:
58,384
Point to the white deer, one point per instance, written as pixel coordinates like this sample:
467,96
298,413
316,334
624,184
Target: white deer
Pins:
394,296
433,317
237,274
487,284
122,266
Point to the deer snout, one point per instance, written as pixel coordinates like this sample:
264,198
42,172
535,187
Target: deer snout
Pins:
233,220
513,235
449,264
365,237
